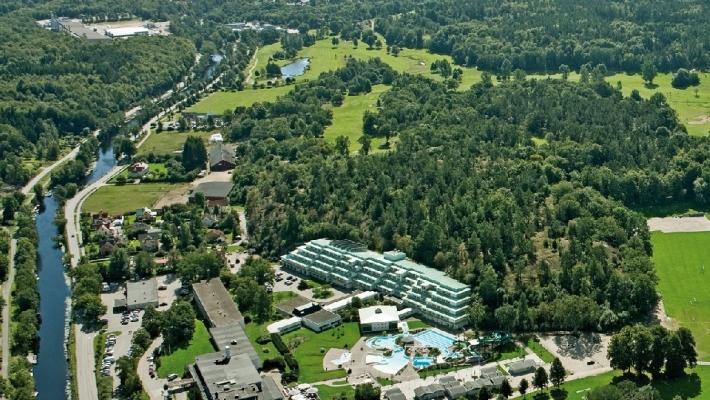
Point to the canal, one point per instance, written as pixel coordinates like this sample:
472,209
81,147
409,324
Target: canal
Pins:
51,372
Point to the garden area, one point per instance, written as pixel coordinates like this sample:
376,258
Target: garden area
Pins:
309,347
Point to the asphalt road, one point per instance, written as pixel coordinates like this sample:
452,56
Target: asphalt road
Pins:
6,290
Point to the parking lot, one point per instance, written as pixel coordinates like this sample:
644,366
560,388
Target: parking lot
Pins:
123,325
282,284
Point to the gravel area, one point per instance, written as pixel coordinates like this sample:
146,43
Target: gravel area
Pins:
679,224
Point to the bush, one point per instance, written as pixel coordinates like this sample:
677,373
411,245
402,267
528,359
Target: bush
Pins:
279,344
274,363
684,78
264,339
291,361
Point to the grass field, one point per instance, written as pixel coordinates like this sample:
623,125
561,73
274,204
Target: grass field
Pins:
347,119
219,102
167,142
695,385
329,392
417,324
679,260
690,109
541,352
253,331
308,352
175,362
116,199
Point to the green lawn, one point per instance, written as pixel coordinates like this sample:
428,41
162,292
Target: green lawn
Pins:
280,297
440,371
510,351
253,331
417,324
541,352
330,392
680,259
695,385
219,102
168,142
308,352
347,119
175,362
690,108
119,199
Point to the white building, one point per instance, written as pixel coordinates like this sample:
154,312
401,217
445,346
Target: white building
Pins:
284,325
378,318
432,294
127,32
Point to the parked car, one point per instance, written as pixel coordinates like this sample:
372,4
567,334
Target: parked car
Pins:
162,287
172,377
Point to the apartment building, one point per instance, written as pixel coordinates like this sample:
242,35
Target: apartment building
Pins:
432,294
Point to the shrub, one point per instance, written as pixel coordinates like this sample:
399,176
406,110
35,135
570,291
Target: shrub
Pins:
264,339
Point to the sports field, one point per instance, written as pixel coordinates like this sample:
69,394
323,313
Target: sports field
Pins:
680,260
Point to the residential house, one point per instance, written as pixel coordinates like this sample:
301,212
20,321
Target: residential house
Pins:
221,157
150,240
138,169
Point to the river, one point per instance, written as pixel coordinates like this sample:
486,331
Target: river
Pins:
51,372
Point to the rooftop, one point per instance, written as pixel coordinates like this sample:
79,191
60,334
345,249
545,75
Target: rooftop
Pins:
321,316
217,303
220,152
375,314
395,258
214,189
234,336
142,292
233,377
395,394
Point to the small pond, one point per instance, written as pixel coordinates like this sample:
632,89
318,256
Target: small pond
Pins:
296,68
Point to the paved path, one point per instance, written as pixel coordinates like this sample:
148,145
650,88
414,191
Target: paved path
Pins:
6,291
679,224
46,170
152,386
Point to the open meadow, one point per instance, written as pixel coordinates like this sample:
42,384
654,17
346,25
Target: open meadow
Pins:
168,142
680,260
120,199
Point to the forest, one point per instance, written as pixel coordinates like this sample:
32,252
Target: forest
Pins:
542,35
544,233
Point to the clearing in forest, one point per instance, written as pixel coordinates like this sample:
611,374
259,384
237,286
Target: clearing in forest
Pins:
680,260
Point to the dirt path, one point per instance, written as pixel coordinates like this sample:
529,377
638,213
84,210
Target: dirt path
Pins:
679,224
6,291
249,80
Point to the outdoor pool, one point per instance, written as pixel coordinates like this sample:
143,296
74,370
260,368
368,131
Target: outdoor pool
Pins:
393,363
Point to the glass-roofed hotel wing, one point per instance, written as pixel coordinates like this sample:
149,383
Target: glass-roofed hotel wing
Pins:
348,264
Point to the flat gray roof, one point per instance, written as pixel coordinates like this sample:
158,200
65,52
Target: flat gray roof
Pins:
395,394
214,189
321,317
217,303
234,336
141,292
229,378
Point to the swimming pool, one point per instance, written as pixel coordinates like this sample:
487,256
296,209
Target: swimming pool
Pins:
398,359
436,338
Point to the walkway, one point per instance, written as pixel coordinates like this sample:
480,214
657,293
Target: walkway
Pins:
152,386
6,291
